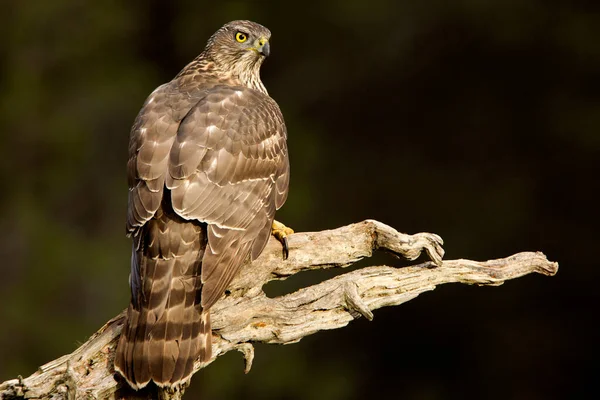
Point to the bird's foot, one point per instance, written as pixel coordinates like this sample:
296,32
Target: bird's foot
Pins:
281,232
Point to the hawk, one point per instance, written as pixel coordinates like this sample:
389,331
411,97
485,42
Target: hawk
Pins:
208,166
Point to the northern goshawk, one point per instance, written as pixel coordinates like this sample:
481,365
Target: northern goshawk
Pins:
208,166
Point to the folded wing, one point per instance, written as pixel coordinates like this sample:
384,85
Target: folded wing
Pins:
228,167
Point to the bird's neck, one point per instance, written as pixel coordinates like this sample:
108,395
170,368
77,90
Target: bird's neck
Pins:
205,70
250,78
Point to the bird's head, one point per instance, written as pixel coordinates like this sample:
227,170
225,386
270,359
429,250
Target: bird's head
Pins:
239,46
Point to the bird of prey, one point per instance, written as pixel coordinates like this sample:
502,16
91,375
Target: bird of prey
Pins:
208,166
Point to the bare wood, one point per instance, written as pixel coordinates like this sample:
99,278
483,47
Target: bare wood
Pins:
247,315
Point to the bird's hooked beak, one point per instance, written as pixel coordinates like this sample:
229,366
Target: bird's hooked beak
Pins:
262,46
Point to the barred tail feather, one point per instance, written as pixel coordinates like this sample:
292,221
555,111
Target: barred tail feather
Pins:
167,354
205,337
166,329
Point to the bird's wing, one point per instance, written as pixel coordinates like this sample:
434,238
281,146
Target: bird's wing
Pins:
150,142
228,167
151,139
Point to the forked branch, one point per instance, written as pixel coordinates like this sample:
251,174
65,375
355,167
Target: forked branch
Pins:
247,315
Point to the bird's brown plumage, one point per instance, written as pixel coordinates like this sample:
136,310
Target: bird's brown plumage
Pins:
208,167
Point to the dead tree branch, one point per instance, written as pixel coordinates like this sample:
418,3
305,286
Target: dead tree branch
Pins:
247,315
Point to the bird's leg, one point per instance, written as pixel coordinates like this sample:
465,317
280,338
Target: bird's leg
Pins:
281,232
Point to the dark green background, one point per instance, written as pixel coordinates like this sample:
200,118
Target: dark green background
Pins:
477,120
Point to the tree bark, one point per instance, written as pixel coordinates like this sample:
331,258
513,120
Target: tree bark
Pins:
247,315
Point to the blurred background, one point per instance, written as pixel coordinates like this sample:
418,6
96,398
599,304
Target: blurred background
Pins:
476,120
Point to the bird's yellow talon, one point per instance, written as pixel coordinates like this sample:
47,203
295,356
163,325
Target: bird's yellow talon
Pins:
281,232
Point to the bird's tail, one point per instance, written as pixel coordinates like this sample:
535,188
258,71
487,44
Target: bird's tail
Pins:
165,358
166,329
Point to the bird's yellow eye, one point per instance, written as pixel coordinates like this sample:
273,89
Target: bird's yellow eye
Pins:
241,37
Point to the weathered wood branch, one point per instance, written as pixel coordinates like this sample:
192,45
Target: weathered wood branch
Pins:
247,315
